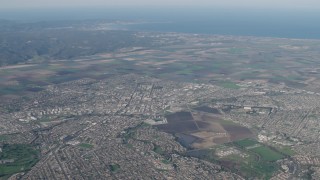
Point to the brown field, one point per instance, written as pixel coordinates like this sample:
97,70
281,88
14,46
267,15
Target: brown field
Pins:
16,66
209,139
179,127
179,116
200,130
237,132
214,130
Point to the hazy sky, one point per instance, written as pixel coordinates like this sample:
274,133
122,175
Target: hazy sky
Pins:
297,4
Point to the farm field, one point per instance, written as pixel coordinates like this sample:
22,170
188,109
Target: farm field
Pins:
226,65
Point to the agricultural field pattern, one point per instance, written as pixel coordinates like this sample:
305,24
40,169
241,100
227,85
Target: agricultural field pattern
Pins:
182,106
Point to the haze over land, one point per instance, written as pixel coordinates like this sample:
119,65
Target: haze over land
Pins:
273,4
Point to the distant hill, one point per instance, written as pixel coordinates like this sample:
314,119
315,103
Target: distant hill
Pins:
42,41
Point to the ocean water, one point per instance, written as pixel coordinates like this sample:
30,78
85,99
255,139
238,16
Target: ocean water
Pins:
245,22
283,24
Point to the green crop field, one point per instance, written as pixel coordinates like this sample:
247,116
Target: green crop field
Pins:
263,170
260,160
267,154
246,142
286,150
